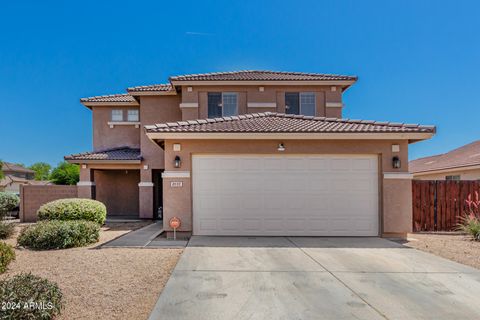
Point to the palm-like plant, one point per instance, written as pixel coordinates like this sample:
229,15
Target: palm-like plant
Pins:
470,222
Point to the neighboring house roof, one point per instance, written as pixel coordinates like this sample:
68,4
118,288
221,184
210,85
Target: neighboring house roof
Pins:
11,167
121,97
9,179
271,122
114,154
468,155
154,87
261,75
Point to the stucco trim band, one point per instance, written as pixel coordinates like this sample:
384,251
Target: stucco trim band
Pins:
124,123
333,104
398,175
176,174
145,184
85,183
261,105
189,105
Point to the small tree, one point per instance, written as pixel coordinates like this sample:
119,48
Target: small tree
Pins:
42,170
65,174
1,170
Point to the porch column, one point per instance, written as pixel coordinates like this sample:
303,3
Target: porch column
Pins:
397,204
145,194
86,185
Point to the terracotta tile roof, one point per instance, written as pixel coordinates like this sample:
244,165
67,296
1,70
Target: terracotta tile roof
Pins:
12,167
154,87
271,122
114,154
122,97
468,155
261,75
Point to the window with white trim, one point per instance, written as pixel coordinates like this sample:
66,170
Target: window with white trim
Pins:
300,103
133,115
117,115
452,178
222,104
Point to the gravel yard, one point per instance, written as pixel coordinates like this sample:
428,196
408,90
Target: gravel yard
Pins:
456,247
108,283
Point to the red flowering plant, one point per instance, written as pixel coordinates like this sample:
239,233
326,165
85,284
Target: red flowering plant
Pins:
470,222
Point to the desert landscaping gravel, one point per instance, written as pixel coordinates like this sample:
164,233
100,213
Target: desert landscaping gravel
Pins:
102,283
457,247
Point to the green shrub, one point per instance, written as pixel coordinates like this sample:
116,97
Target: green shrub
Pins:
58,234
30,297
7,255
470,224
73,209
8,202
6,229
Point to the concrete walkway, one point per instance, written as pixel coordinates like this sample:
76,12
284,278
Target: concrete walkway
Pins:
137,239
315,278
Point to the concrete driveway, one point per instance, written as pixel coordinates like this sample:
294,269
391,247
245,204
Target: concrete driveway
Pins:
315,278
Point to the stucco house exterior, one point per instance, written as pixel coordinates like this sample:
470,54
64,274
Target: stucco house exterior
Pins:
249,153
459,164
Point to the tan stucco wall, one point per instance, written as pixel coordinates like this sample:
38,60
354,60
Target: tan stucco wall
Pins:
154,109
32,197
397,207
118,136
118,190
464,175
178,201
271,94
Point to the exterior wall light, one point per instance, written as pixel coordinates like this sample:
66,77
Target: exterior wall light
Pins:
396,163
178,162
281,147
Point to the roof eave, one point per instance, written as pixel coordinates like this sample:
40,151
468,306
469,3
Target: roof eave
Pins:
90,104
152,93
78,161
412,136
344,83
447,169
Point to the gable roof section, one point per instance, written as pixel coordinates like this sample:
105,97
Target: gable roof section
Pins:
111,99
239,77
12,167
121,154
279,123
467,155
262,75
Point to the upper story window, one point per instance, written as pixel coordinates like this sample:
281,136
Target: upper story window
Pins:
133,115
300,103
222,104
117,115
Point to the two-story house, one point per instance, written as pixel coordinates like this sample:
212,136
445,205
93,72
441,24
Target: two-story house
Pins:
15,176
249,153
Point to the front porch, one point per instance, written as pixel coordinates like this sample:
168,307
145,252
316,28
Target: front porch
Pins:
117,178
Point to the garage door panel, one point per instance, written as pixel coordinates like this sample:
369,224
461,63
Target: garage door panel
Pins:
285,195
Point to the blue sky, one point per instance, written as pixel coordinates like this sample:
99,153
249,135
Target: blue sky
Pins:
417,61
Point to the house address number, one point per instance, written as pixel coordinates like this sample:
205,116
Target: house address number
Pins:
176,184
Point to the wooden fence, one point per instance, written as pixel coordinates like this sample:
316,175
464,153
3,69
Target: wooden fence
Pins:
437,204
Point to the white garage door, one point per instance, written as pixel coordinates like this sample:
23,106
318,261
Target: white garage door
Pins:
321,195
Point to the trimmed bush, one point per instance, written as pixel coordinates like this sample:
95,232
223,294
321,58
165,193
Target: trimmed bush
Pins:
6,229
58,234
7,255
8,202
74,209
30,297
